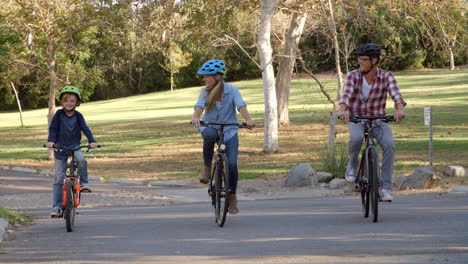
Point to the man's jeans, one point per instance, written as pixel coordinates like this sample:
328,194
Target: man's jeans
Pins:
384,136
60,170
210,135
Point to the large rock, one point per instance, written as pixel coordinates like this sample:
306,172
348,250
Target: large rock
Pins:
459,190
323,176
301,175
337,183
398,180
421,177
457,171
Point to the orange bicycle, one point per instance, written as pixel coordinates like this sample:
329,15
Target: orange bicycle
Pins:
71,188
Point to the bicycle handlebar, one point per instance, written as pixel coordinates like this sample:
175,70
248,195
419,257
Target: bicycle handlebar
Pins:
58,147
207,124
356,119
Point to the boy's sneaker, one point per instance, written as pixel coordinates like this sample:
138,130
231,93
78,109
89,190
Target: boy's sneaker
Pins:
386,196
85,188
55,212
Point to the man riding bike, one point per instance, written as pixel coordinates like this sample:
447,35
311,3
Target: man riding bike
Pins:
365,94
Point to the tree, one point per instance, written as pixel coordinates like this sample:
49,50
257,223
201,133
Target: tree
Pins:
270,141
57,22
286,64
339,74
175,59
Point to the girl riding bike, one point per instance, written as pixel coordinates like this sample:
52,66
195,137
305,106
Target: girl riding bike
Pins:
219,101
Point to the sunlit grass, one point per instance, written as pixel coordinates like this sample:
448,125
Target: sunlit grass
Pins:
148,136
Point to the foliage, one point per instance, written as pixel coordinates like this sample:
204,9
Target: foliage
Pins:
334,163
113,49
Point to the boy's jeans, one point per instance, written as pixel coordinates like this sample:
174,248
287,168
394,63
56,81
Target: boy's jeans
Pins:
384,136
210,135
60,170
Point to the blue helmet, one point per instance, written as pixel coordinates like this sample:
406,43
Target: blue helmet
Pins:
212,67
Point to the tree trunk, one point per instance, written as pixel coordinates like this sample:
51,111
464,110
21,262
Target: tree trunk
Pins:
286,65
452,61
339,75
52,87
270,142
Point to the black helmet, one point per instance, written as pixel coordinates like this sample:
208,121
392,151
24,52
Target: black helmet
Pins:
369,49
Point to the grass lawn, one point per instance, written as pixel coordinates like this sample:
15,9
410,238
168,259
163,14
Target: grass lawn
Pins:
148,136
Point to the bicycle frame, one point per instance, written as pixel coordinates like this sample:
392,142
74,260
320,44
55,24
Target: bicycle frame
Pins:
369,174
219,188
75,183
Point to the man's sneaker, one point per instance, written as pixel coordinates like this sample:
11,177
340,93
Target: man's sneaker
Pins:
85,188
55,212
350,175
386,196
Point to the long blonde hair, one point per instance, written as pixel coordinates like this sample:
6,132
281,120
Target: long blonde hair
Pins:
214,94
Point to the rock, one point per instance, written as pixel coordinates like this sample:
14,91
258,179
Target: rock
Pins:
398,180
95,178
322,176
168,183
251,189
47,173
348,189
3,227
301,175
459,190
125,181
457,171
337,183
324,185
24,170
421,177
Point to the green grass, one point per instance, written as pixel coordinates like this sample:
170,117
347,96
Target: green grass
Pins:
148,136
13,217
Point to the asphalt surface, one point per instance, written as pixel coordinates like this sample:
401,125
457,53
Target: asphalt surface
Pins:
412,229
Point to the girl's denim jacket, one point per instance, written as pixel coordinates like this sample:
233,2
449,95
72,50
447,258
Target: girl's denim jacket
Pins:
230,102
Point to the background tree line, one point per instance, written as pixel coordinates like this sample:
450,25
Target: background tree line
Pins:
116,48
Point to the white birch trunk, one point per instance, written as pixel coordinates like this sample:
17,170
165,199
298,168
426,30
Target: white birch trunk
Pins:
270,142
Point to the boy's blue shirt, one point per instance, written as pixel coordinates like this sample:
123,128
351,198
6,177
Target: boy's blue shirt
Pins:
66,131
231,101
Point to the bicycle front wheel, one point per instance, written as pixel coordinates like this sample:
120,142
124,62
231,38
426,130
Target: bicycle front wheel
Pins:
364,188
69,212
374,183
221,190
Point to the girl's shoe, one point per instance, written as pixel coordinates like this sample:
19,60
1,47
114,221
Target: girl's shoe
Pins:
205,176
232,209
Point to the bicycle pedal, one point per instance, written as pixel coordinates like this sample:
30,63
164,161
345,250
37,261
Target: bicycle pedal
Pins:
386,201
55,216
86,191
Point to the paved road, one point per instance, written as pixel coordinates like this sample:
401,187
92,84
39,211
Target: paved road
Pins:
125,223
413,229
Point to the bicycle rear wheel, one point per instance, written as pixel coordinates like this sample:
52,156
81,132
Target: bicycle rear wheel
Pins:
221,190
69,212
374,182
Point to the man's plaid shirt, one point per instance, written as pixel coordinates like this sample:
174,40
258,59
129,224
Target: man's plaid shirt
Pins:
384,82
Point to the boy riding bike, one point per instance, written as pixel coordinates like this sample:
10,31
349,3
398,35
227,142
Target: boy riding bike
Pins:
65,130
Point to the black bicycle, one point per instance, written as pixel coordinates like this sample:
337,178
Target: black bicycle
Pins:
218,188
71,187
368,180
